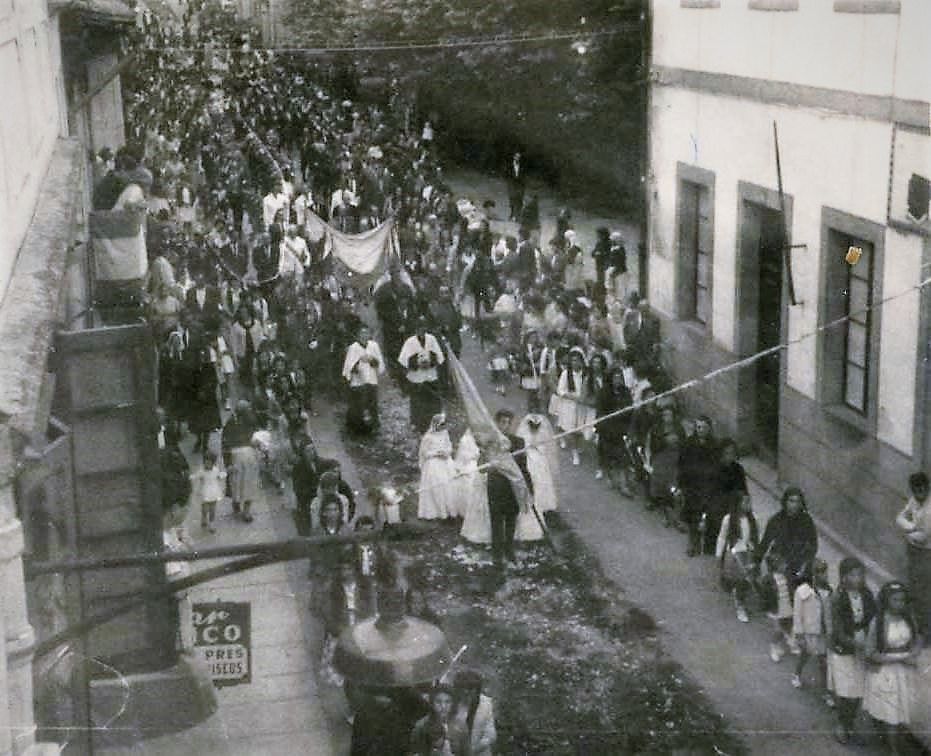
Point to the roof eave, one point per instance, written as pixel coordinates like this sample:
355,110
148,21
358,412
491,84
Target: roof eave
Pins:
96,12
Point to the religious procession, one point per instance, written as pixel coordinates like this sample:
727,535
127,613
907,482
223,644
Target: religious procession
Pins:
354,336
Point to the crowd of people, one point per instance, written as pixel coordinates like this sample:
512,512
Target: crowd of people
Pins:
234,156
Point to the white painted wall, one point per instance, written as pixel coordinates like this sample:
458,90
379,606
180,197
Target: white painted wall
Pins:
827,160
898,362
913,69
31,104
814,45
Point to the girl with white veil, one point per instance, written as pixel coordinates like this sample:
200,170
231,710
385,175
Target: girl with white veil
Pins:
473,492
437,493
542,460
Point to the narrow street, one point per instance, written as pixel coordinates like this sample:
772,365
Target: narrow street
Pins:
239,237
612,551
728,660
647,561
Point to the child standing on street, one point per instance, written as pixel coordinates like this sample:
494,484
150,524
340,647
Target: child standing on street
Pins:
811,613
499,364
738,540
779,604
569,393
852,610
209,485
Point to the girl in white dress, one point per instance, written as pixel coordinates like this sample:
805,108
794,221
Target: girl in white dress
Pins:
542,464
893,645
569,408
542,460
473,492
852,610
437,494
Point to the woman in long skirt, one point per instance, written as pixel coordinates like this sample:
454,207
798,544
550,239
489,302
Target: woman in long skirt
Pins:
244,479
473,492
437,493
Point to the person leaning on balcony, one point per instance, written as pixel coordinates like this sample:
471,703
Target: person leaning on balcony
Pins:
119,234
915,523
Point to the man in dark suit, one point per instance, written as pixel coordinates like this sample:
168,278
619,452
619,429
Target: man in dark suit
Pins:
641,330
503,503
203,302
526,261
515,174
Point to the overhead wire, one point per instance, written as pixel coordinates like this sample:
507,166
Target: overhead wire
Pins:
694,382
394,46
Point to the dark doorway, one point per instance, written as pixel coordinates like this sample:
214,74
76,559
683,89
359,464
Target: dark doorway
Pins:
769,328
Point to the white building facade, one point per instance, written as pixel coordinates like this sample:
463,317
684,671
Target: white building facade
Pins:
843,410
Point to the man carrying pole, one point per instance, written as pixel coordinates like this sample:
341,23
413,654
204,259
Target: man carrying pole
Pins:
510,490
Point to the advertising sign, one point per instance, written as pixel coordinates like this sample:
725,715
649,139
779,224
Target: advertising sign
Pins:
222,638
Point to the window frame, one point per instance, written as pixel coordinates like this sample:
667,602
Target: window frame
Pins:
867,325
833,345
686,289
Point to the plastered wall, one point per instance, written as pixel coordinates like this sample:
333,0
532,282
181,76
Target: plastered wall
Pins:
873,53
30,117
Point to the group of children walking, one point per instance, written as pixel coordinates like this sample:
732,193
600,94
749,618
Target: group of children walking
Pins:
864,648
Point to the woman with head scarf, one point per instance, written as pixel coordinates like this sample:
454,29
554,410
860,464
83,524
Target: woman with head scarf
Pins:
914,523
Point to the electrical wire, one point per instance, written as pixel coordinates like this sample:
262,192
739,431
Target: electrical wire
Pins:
396,46
736,365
